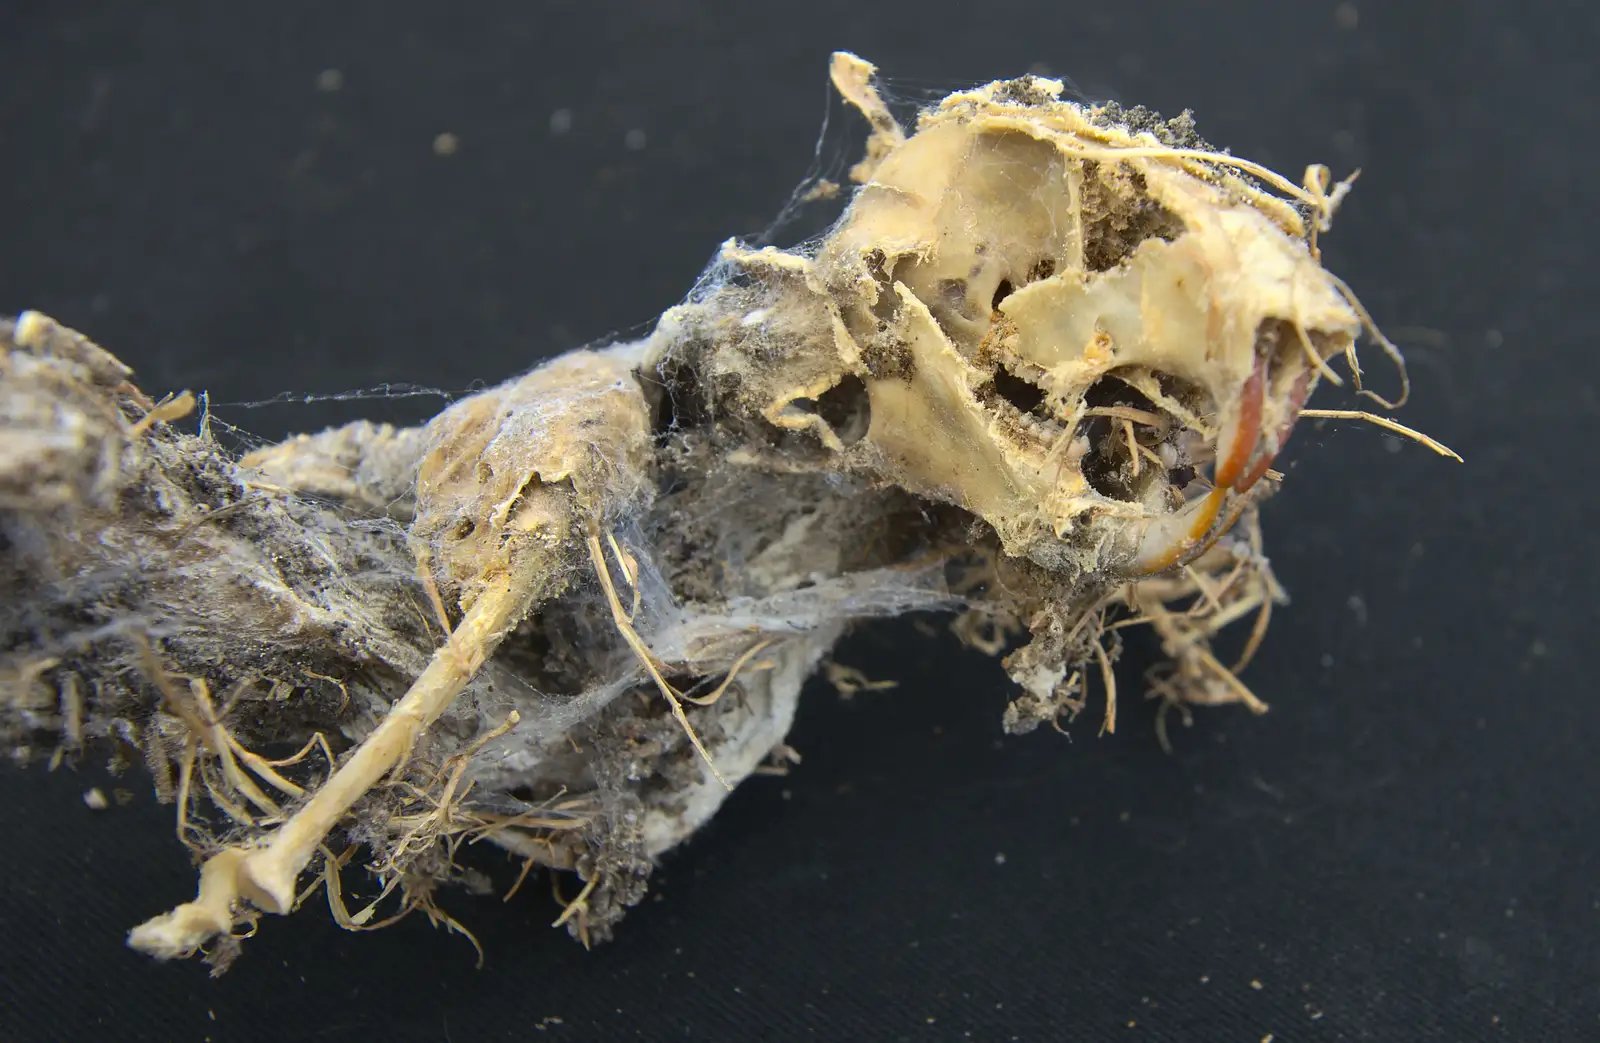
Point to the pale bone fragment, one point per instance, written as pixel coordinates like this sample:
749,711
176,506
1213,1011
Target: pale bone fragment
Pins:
1035,373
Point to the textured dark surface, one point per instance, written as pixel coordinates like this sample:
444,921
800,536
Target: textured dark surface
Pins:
1405,848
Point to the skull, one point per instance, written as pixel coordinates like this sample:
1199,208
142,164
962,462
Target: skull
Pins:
1088,335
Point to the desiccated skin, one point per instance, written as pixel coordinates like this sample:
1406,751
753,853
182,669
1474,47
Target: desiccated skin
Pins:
1037,375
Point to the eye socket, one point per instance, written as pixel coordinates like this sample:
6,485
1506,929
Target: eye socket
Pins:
1121,467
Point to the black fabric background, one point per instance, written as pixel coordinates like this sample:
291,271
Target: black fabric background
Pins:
1405,848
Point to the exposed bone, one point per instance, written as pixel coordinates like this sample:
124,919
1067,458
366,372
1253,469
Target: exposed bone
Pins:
1045,352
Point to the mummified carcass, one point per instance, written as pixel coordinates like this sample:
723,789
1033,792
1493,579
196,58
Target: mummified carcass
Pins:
1034,376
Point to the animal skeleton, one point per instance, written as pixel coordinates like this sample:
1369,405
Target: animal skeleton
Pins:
1037,375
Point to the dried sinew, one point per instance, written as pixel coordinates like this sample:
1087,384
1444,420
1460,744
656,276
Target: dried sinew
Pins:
1035,377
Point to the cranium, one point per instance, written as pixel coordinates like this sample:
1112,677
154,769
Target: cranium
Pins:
1047,317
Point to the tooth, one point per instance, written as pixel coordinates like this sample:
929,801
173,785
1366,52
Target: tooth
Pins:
1236,443
1172,536
1297,400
